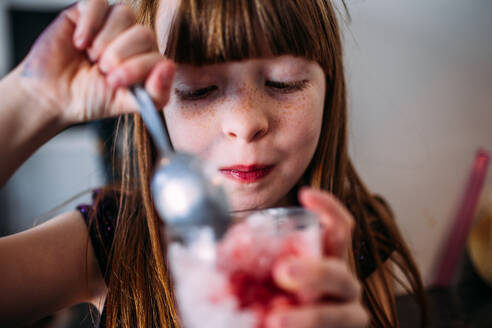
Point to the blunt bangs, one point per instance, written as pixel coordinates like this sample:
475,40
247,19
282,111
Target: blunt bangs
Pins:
215,31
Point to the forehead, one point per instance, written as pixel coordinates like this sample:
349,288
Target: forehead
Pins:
164,16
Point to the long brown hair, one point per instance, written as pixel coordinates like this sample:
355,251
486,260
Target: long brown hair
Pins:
213,31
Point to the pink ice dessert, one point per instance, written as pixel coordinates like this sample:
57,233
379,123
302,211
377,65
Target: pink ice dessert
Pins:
235,274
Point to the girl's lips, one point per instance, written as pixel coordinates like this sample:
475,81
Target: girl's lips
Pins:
247,173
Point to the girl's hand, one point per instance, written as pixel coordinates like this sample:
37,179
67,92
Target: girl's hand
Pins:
329,292
80,65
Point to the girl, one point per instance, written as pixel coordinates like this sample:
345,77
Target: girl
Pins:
258,90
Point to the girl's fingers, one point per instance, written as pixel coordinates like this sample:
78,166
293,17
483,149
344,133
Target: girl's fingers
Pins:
313,279
159,83
323,201
91,19
343,315
133,70
119,19
134,41
336,220
157,73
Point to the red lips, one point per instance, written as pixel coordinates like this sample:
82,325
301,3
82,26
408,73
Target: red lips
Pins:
247,173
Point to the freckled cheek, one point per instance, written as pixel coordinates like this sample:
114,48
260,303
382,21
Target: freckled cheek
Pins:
191,133
300,123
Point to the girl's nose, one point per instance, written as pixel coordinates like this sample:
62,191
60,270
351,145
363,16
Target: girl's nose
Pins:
246,119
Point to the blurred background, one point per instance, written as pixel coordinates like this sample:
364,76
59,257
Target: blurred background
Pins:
420,90
420,87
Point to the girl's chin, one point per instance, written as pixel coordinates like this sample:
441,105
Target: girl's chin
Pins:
244,202
244,206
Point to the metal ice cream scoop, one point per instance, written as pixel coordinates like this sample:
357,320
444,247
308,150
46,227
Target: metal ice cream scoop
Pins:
186,191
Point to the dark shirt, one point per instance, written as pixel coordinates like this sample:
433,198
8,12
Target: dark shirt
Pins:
101,232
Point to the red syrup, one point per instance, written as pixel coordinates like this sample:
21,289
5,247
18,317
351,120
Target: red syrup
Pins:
259,295
248,257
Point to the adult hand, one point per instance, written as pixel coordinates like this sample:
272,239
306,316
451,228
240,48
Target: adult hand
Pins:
80,65
329,292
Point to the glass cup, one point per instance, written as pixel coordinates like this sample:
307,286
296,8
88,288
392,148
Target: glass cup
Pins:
228,282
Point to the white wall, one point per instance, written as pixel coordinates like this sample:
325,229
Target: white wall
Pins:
420,80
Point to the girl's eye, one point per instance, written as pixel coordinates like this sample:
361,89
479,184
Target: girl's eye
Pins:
287,87
195,94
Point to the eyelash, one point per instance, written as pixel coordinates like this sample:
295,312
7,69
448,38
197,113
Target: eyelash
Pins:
287,87
281,87
195,94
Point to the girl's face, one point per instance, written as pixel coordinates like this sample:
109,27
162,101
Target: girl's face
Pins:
258,121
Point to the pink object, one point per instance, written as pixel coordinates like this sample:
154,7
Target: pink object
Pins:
455,242
248,255
233,277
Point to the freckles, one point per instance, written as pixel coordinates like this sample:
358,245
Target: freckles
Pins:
194,111
188,113
302,115
194,136
221,101
194,123
296,112
254,97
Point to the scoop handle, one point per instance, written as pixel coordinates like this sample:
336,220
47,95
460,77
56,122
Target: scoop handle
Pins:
155,125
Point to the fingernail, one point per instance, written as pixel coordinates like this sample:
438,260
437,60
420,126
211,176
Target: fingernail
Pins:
166,74
164,79
294,270
290,272
303,191
79,39
116,79
92,53
328,225
104,66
